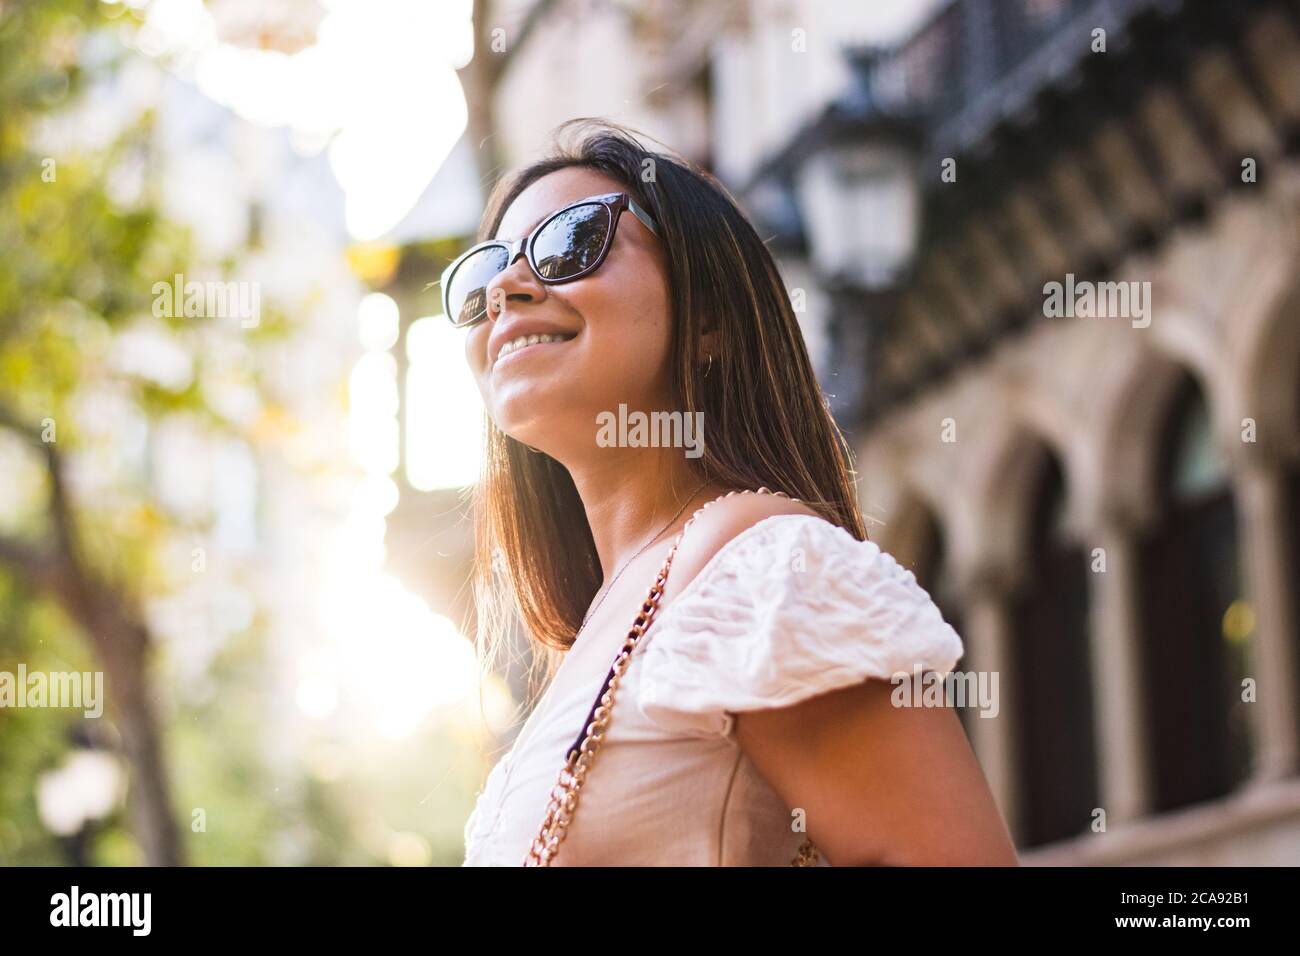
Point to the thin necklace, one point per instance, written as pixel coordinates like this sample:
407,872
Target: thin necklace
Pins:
609,587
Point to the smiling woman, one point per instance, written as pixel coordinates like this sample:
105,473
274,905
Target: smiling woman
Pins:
746,717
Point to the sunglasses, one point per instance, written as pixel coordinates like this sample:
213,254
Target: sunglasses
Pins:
568,244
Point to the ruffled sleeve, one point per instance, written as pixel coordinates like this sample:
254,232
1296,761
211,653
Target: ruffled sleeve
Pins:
790,608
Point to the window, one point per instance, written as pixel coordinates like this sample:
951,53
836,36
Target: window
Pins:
1057,765
1196,622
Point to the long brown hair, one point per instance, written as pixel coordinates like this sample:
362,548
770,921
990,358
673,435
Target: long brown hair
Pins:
535,557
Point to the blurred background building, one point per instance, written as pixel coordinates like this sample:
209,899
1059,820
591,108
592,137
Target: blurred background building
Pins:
1107,508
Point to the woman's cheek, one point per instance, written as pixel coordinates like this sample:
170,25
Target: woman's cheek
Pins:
633,372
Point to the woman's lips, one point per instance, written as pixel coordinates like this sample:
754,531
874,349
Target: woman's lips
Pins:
511,350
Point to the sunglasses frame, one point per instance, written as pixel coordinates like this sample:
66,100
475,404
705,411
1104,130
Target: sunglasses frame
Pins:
614,204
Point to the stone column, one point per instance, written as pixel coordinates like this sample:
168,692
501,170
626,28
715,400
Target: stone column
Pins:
988,636
1266,558
1117,679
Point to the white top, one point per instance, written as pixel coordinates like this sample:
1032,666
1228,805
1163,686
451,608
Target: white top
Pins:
789,608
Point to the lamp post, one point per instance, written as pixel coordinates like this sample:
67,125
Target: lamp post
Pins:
857,182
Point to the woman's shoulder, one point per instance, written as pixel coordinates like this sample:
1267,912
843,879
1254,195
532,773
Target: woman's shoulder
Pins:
781,605
725,525
754,549
769,560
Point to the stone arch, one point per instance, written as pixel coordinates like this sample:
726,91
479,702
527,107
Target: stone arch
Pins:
1006,475
906,536
1134,408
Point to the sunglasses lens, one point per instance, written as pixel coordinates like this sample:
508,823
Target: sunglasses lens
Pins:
467,288
570,243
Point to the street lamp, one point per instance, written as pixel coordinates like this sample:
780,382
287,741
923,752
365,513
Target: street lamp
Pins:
861,201
856,176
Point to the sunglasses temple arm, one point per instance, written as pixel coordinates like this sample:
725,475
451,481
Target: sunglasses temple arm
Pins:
646,219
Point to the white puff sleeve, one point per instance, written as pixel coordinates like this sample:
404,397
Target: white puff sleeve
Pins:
790,608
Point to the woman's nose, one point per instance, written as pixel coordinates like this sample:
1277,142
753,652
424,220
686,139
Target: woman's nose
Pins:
516,281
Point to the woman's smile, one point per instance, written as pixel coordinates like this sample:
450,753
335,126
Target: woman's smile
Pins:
531,344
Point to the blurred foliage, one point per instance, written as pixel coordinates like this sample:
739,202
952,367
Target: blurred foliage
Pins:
79,257
70,268
31,740
77,268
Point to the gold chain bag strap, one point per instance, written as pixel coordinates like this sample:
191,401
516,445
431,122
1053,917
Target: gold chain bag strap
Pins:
563,804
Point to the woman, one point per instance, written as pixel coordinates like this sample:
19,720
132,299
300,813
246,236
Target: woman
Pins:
752,722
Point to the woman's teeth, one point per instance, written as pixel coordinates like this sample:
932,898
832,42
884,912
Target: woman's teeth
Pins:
525,340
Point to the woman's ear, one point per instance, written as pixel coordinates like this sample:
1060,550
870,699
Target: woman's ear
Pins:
709,338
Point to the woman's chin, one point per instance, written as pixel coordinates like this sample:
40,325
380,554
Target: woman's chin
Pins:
525,425
548,418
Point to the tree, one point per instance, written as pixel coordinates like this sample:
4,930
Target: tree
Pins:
75,265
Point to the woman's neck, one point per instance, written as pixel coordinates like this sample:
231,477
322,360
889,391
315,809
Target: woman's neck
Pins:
631,494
